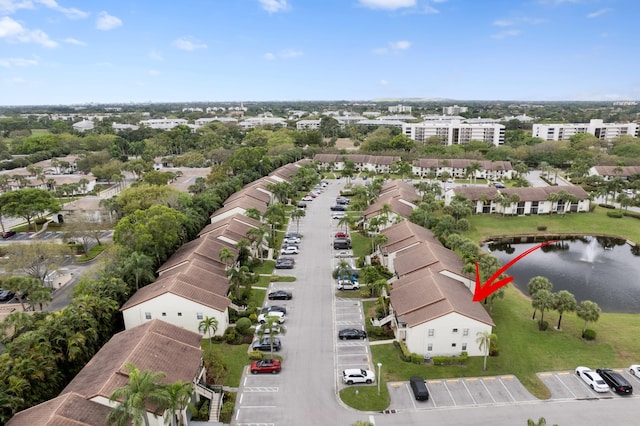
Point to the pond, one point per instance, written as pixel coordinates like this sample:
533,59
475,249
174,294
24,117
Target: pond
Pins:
601,269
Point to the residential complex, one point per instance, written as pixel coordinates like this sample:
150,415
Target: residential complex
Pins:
596,127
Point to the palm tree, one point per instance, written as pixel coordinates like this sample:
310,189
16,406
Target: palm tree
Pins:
565,302
472,170
589,312
273,328
536,284
140,266
144,387
296,215
239,277
180,394
227,257
543,300
252,213
208,326
483,340
257,237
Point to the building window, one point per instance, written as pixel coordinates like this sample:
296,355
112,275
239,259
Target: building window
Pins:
430,347
453,345
431,332
464,346
465,331
164,314
199,315
179,314
455,330
147,315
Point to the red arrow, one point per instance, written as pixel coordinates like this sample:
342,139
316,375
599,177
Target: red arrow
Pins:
483,291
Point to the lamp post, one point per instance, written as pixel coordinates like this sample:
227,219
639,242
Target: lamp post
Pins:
379,365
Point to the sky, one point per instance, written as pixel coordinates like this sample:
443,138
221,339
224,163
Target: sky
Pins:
77,51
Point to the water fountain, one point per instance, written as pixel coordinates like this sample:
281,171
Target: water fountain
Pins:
590,252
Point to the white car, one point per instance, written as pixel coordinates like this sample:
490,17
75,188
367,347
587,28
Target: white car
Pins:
281,317
291,240
262,328
593,379
635,370
344,254
289,250
358,375
307,198
337,215
348,285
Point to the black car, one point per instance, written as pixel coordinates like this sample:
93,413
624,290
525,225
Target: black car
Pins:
265,344
301,205
274,308
342,200
352,333
5,295
280,295
339,208
8,234
615,381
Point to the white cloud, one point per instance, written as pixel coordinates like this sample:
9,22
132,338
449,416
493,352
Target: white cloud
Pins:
10,6
106,22
69,12
188,44
598,13
387,4
17,62
154,72
383,82
503,23
290,53
77,42
273,6
155,55
395,46
505,34
14,31
270,56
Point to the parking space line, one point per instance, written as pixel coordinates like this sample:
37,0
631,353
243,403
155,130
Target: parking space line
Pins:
449,392
505,388
430,394
489,393
562,373
565,385
545,374
469,392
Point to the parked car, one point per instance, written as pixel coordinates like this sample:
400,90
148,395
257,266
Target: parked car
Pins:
274,308
343,254
338,208
293,235
341,244
619,384
348,285
5,295
593,379
285,263
301,205
280,295
341,234
263,329
268,365
352,333
358,375
8,234
338,215
419,388
262,318
290,250
499,185
342,201
634,369
265,344
291,240
307,198
312,195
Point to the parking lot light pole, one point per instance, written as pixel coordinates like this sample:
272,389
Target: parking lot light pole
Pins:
379,365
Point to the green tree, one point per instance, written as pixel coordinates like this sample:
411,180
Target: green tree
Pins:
273,328
36,259
589,312
483,339
543,300
28,203
565,302
209,326
227,257
144,387
536,284
179,399
21,286
296,215
140,267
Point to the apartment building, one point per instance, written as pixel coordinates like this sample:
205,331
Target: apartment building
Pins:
597,127
455,132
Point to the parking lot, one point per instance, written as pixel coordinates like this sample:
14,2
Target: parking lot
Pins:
567,385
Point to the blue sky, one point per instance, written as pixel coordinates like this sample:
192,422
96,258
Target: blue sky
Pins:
73,51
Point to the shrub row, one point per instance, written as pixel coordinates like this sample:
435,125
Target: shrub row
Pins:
451,360
407,356
607,206
632,214
616,214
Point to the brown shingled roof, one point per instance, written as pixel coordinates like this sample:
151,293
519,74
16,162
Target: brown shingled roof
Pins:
205,248
66,409
474,193
428,255
237,224
405,234
156,346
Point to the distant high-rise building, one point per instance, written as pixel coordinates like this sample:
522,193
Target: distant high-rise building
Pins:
596,127
400,108
454,110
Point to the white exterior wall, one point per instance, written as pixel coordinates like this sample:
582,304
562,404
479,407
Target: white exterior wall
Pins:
172,306
227,214
596,127
418,339
488,132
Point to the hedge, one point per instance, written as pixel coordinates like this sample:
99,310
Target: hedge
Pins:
451,360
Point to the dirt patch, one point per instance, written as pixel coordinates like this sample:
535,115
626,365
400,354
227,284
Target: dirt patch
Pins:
346,143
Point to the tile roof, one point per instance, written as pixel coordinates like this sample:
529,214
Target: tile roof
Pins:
236,224
404,235
156,346
67,409
421,297
434,256
475,193
206,248
243,203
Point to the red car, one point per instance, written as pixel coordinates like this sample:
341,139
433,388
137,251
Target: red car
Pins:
341,235
266,366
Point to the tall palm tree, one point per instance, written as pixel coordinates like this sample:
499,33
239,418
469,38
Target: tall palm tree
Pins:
483,340
144,387
226,256
543,300
252,213
180,395
140,267
208,326
296,215
239,277
565,302
257,237
536,284
589,312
